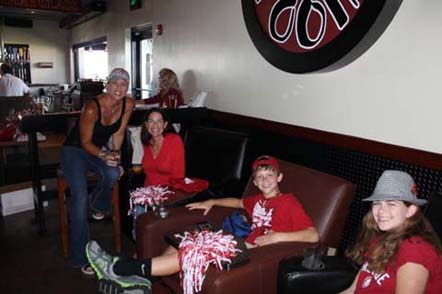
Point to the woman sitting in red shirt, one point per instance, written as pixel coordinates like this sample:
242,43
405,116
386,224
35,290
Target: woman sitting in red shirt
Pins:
170,95
163,158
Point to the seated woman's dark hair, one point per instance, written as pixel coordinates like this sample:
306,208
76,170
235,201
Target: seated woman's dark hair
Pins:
145,136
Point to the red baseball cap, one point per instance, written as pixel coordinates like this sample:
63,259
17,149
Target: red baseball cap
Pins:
266,160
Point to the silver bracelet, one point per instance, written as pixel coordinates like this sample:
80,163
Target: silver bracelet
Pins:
102,155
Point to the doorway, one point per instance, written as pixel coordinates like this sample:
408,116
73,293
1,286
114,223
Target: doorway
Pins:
142,62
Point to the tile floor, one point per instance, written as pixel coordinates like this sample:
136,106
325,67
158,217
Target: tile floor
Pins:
33,263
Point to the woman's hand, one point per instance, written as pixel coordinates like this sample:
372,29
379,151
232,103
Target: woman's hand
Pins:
205,205
121,170
112,158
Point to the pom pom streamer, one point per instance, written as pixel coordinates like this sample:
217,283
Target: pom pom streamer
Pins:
198,250
148,196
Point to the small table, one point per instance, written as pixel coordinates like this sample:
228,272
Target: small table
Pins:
57,123
52,141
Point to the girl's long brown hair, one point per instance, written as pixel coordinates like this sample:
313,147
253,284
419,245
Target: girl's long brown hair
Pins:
387,245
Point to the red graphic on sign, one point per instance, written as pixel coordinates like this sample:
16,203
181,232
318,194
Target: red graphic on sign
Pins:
303,25
302,36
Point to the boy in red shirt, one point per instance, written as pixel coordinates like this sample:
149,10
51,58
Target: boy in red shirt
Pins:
276,217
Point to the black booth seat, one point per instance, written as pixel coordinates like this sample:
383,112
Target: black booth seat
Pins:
216,155
213,154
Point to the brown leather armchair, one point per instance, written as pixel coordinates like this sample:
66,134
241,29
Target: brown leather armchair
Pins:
325,198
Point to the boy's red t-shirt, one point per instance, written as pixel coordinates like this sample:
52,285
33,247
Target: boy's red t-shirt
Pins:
283,213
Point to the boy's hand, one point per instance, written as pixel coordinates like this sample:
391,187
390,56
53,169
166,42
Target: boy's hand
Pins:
206,205
267,239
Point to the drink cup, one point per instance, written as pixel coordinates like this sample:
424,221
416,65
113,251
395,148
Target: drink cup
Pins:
117,156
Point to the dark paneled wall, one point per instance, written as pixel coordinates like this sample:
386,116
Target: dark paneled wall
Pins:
357,160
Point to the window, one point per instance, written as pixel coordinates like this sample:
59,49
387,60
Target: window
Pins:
90,60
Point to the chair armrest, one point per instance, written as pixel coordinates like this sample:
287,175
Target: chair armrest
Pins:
150,230
264,262
337,275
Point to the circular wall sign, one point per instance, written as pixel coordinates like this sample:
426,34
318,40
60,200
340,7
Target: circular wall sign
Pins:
301,36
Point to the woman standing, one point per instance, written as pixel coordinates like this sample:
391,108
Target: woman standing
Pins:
397,247
170,95
103,118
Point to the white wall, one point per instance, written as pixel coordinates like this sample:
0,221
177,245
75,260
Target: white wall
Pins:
115,24
47,43
391,94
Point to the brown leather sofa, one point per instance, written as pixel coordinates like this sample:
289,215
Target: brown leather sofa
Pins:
325,198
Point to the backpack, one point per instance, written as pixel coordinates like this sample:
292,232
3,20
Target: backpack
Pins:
238,224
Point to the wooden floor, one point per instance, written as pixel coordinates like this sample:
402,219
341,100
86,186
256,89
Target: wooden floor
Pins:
31,263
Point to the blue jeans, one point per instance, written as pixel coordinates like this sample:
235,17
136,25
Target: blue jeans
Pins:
75,164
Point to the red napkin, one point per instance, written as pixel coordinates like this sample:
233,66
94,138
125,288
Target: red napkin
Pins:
194,185
8,130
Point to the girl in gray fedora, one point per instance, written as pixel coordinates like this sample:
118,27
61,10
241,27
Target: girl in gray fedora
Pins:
397,247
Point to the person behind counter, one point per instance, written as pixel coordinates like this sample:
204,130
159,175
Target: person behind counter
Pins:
170,95
102,118
11,85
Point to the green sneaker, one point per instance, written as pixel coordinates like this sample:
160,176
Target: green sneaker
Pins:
110,287
103,265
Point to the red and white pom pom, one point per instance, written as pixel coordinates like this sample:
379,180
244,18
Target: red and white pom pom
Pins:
197,251
148,196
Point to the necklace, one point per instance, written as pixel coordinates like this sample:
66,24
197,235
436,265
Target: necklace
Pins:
108,105
108,112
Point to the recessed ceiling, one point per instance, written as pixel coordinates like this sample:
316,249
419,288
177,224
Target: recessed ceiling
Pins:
65,20
34,14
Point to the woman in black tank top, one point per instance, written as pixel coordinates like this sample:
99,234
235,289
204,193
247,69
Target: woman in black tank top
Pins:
103,119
